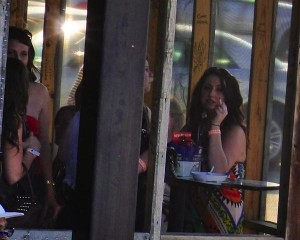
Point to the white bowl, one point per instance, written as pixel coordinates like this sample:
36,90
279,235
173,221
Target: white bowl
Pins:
185,168
209,177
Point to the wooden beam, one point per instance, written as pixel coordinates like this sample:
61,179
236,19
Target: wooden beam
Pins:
213,237
200,41
289,208
111,117
4,20
261,53
52,39
152,51
18,13
160,115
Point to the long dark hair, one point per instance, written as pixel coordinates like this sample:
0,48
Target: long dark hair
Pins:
15,100
24,36
232,94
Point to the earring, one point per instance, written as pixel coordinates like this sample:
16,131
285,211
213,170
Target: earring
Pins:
204,115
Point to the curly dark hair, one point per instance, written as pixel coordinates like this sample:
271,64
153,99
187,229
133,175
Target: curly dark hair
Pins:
24,36
15,100
232,94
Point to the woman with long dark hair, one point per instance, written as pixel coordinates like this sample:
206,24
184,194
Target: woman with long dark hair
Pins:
14,113
216,122
37,120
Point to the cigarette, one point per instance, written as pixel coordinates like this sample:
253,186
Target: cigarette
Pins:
221,101
33,151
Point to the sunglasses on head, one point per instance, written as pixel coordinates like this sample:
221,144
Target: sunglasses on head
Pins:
7,232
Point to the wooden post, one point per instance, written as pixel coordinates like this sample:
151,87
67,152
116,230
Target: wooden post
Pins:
4,18
261,53
111,117
293,213
201,41
160,116
50,69
154,25
289,209
18,13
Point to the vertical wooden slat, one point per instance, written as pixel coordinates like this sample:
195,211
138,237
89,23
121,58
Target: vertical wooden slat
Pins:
217,236
201,41
152,42
18,13
4,23
160,117
111,117
289,209
52,36
261,53
293,212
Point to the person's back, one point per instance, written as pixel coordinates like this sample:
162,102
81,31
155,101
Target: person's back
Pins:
62,121
18,153
68,153
144,152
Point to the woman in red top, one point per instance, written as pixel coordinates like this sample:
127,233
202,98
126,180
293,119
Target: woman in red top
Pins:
38,119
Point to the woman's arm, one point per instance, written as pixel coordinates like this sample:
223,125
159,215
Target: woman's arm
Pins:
52,206
224,153
143,162
44,119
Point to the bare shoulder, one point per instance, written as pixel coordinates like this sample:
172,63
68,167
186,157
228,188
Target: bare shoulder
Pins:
236,135
236,130
38,100
39,90
235,143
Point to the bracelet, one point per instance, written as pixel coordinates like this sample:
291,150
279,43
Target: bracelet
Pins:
49,182
217,125
214,132
33,151
143,165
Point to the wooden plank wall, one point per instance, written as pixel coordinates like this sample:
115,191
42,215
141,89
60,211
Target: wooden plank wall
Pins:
260,67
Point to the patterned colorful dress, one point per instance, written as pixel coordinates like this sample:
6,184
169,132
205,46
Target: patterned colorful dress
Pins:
224,211
219,210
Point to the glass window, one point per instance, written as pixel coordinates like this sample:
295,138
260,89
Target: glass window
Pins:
182,53
233,40
232,50
74,40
